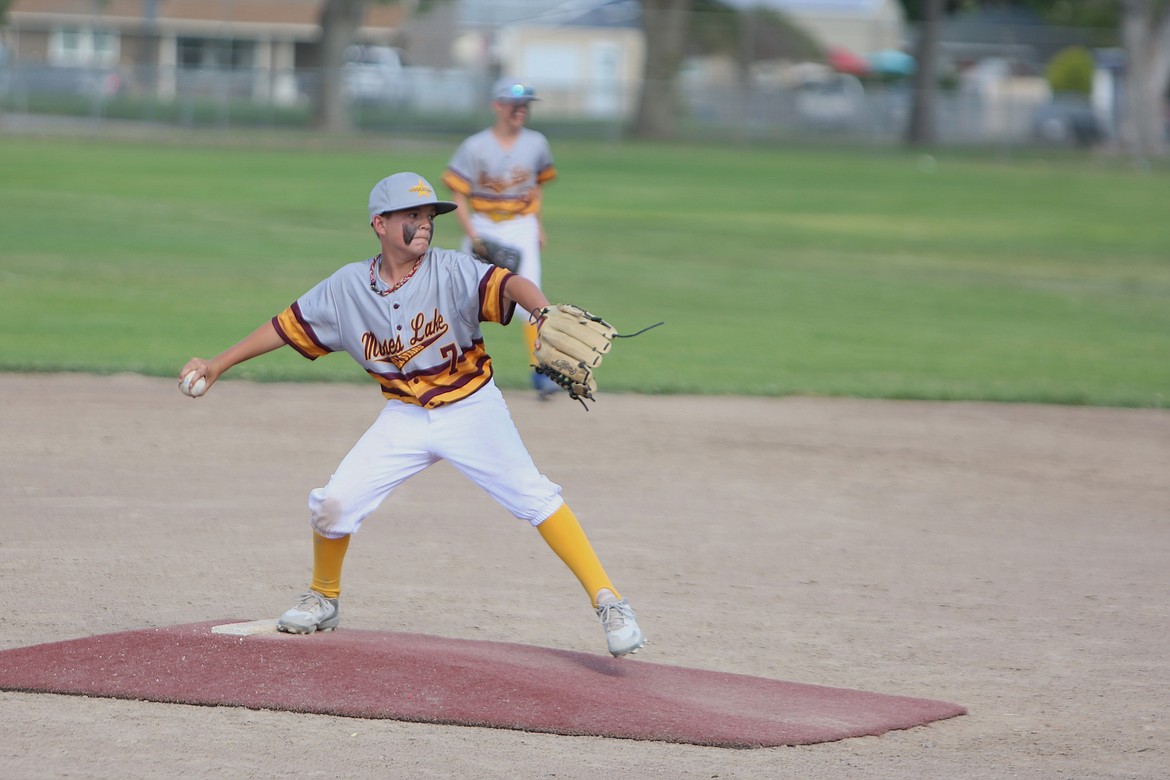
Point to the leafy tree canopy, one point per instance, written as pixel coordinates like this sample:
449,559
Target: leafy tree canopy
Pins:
1099,14
716,28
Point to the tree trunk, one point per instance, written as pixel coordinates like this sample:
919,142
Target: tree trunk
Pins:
339,22
921,129
1146,35
665,25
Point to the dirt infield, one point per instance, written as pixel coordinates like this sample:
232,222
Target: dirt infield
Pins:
1014,559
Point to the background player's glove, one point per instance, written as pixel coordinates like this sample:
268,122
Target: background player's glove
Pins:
488,250
569,347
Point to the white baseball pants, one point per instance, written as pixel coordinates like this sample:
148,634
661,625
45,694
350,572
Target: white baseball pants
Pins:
476,435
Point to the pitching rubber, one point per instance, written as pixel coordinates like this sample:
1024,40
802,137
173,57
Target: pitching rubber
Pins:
251,628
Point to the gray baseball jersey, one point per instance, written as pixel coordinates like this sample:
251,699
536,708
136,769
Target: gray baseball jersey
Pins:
422,342
500,182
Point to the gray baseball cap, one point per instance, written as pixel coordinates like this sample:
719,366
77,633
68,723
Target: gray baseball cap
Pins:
405,191
508,90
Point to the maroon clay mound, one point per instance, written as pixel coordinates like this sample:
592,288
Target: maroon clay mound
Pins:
428,679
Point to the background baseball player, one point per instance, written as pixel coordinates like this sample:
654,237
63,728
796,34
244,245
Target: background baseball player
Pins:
497,178
411,317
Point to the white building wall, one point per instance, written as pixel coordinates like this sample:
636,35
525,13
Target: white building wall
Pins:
576,71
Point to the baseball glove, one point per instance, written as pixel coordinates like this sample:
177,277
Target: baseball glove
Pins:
488,250
570,344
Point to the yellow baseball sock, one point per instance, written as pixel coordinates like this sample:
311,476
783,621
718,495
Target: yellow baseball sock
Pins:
564,535
530,339
328,555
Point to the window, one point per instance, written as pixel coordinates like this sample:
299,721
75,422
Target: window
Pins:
83,46
215,53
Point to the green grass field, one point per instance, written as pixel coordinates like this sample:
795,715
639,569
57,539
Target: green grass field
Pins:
859,273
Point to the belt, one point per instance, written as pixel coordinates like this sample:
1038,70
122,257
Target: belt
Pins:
499,216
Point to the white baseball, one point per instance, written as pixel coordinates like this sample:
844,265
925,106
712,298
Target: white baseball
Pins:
194,390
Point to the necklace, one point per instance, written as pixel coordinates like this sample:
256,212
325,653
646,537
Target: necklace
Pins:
398,284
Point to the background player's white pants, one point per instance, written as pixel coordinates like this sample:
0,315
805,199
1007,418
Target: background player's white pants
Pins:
476,435
521,232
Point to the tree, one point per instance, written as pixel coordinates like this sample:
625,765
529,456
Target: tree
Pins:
921,129
665,24
1145,32
339,22
1070,71
675,29
747,36
1145,26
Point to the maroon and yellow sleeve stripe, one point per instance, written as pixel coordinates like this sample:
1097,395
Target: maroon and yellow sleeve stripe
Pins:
494,306
547,175
298,333
455,182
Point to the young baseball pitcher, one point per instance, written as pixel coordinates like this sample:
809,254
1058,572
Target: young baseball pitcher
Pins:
410,316
497,178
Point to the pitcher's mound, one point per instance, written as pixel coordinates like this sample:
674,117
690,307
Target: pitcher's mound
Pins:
429,679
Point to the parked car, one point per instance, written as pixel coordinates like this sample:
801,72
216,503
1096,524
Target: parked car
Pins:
834,101
1068,121
375,74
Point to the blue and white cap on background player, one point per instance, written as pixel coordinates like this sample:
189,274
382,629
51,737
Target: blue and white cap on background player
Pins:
405,191
509,90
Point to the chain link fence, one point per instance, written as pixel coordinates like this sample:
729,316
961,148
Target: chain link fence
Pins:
833,108
999,97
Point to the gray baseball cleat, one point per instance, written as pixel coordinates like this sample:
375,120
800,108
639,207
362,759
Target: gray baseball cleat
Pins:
312,612
621,627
